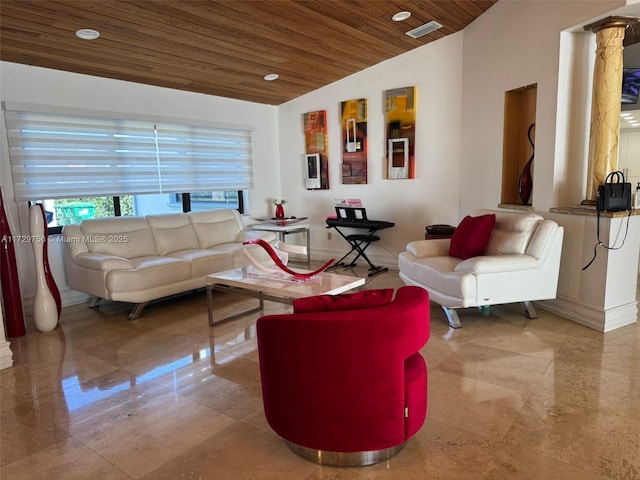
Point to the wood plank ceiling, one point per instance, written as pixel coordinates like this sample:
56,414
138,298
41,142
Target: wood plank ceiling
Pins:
223,47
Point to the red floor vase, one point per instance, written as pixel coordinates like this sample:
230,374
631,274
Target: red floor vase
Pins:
11,298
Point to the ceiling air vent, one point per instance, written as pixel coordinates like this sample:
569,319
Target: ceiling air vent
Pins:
417,32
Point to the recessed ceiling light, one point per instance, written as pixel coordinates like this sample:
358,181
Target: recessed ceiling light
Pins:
271,77
87,34
400,16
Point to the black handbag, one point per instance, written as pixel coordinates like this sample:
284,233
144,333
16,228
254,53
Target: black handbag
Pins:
614,196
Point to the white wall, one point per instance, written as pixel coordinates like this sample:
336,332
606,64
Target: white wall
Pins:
22,83
629,155
432,197
512,45
461,82
550,48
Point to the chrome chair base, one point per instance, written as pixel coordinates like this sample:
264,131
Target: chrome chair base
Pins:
344,459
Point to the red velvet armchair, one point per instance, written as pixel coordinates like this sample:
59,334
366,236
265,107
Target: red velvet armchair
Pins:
343,381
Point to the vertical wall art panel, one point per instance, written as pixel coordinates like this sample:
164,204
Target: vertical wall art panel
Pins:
400,119
354,141
316,158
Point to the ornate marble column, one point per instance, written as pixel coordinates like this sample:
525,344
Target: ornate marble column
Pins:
607,92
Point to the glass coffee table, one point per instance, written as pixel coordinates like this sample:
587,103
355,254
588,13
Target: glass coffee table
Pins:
274,287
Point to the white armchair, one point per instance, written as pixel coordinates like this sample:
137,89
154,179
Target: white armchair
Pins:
521,263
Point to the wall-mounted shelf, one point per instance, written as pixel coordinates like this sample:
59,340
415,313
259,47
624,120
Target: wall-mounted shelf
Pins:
519,114
514,206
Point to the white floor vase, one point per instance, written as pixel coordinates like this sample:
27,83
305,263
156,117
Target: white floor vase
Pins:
46,301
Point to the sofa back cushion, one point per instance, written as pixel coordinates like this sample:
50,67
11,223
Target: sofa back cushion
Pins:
215,227
512,232
471,236
172,232
542,239
127,237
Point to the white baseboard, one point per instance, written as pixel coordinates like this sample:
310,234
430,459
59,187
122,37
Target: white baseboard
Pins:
73,297
595,318
68,297
384,260
6,355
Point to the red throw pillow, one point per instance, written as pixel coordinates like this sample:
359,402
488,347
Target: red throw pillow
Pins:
344,301
471,237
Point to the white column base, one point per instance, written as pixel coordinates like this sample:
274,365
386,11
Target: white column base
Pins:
604,296
602,320
6,355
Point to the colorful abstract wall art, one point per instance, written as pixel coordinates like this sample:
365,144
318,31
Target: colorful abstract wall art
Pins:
316,159
400,120
353,119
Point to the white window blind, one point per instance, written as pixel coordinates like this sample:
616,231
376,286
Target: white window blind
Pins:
61,156
202,159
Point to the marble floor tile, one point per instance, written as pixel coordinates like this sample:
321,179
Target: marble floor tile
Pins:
69,460
31,381
512,463
138,440
7,399
260,457
593,389
606,444
168,397
615,351
483,408
25,429
502,367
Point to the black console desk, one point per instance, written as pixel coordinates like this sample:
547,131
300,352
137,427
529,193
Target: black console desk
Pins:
359,242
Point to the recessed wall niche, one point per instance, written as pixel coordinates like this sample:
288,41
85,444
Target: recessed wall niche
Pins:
517,149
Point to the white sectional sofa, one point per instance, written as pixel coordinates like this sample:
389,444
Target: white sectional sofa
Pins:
139,259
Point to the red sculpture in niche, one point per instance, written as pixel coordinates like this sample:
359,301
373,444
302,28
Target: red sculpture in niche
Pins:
525,182
9,277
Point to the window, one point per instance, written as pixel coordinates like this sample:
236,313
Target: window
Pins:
85,164
211,200
66,211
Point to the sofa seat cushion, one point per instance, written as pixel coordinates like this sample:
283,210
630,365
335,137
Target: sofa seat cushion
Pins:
99,261
440,273
236,252
497,264
148,272
205,262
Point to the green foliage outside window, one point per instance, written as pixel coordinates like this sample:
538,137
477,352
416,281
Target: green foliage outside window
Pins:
103,205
